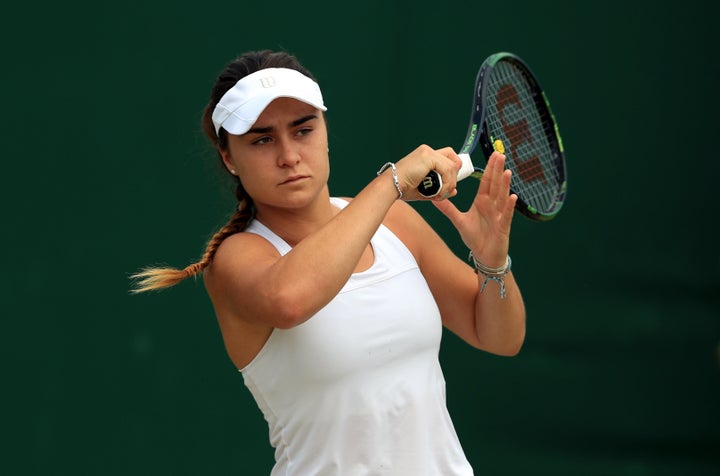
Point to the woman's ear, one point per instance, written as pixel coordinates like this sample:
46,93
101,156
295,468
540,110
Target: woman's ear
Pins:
227,160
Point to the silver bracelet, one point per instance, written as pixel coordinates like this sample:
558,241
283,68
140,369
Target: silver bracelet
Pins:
492,274
396,180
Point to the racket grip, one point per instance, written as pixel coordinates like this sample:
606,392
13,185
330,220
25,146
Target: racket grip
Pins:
467,167
432,183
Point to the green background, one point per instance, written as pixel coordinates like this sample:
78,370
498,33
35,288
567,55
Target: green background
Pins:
105,170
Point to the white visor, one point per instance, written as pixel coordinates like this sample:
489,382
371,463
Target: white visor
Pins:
240,107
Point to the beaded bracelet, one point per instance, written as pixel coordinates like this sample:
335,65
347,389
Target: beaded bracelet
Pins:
396,180
492,274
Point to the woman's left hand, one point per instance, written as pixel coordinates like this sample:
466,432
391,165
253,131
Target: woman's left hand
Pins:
485,227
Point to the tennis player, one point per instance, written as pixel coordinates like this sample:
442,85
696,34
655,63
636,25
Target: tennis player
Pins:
332,308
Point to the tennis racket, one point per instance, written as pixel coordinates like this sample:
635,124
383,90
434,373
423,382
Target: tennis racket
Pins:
511,114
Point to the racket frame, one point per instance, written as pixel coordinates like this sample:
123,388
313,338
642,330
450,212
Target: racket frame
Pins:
478,134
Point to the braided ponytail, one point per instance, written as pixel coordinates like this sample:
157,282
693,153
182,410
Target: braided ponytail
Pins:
155,278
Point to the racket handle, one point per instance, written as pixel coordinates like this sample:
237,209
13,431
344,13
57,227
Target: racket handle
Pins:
432,183
467,167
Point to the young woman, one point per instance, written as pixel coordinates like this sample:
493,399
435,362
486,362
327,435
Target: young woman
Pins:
332,308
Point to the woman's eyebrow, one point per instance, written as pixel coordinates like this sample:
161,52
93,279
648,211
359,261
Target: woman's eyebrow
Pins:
296,122
260,130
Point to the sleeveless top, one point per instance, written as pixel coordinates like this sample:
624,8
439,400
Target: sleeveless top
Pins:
357,389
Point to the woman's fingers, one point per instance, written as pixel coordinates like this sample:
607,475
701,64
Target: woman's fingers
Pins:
496,184
414,168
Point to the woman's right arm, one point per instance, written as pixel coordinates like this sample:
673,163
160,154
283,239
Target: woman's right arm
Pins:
250,280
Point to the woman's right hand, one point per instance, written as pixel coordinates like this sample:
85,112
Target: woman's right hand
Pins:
414,167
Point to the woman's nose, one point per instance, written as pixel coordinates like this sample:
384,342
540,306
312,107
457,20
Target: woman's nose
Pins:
289,154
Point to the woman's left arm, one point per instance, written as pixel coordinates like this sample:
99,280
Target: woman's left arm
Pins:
482,318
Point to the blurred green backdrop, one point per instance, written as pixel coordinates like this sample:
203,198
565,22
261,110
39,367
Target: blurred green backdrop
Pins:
105,170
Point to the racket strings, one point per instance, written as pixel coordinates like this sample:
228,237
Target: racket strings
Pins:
524,136
514,118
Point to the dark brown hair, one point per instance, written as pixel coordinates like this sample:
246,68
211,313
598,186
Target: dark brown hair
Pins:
153,278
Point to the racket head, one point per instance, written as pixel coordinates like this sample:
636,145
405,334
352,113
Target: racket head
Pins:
511,107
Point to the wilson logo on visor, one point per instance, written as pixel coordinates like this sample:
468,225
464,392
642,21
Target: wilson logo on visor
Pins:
267,82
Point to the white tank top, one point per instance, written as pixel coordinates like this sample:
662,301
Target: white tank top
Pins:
357,389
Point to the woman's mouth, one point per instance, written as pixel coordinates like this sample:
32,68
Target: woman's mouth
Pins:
293,179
